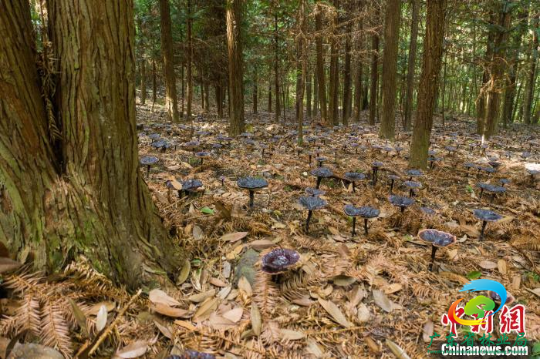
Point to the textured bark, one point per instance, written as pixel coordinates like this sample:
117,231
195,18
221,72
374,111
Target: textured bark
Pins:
154,84
411,65
88,197
333,104
236,66
347,90
302,61
309,87
276,65
482,96
143,81
321,83
171,100
269,96
374,71
358,89
389,74
497,71
189,61
531,73
255,94
429,80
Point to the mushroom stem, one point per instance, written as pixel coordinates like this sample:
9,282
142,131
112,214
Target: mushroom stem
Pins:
353,226
481,192
148,171
307,221
391,185
433,250
202,160
251,198
353,187
402,209
374,176
411,192
319,179
365,226
484,223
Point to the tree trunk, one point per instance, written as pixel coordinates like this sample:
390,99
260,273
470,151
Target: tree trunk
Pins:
315,95
171,101
321,86
429,79
333,107
531,73
189,61
482,96
219,100
143,81
276,65
236,66
374,70
255,94
411,65
302,60
72,186
347,90
497,70
358,89
269,96
309,86
154,84
390,55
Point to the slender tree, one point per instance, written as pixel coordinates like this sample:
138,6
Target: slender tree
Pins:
374,69
171,100
415,4
236,66
429,80
189,60
347,90
389,75
531,71
321,83
302,61
276,63
333,86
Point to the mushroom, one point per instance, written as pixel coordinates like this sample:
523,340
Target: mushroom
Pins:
401,201
279,260
437,239
485,216
320,173
315,191
311,203
202,155
412,185
252,184
189,186
375,169
148,161
414,173
353,177
392,178
192,354
365,212
497,298
533,169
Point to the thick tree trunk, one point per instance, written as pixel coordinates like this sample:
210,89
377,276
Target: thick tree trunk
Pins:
389,75
374,71
72,184
482,96
497,70
315,95
333,107
171,100
358,89
429,79
143,81
321,85
154,84
411,65
309,86
531,73
302,60
236,66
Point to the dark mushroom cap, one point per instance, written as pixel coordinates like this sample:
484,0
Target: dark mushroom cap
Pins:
367,212
412,184
450,148
154,136
191,144
401,201
355,176
494,164
487,169
414,173
377,164
497,298
312,203
322,172
351,210
149,160
486,215
161,144
321,159
505,181
437,238
315,191
470,165
191,185
393,177
278,260
252,183
202,154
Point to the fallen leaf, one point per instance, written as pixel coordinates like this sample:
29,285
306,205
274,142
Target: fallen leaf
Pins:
501,264
198,233
335,312
8,264
201,297
382,301
233,237
234,315
372,345
487,264
169,311
133,350
101,319
261,244
287,334
397,350
243,284
363,313
256,320
164,329
205,309
343,280
392,288
184,272
427,331
158,296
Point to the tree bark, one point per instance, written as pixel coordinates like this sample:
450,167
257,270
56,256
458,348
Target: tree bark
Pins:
347,90
69,164
171,101
321,85
411,65
309,102
531,73
429,80
333,105
276,65
302,60
374,70
189,61
389,75
236,66
143,81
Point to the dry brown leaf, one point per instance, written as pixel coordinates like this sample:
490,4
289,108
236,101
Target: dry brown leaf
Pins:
133,350
392,288
372,345
397,350
261,244
158,296
363,313
201,297
233,237
8,264
243,284
427,331
101,319
382,301
287,334
169,311
335,312
164,329
217,282
184,272
501,264
256,320
487,264
198,233
234,315
205,310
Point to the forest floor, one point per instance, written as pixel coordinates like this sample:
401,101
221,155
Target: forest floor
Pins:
367,296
